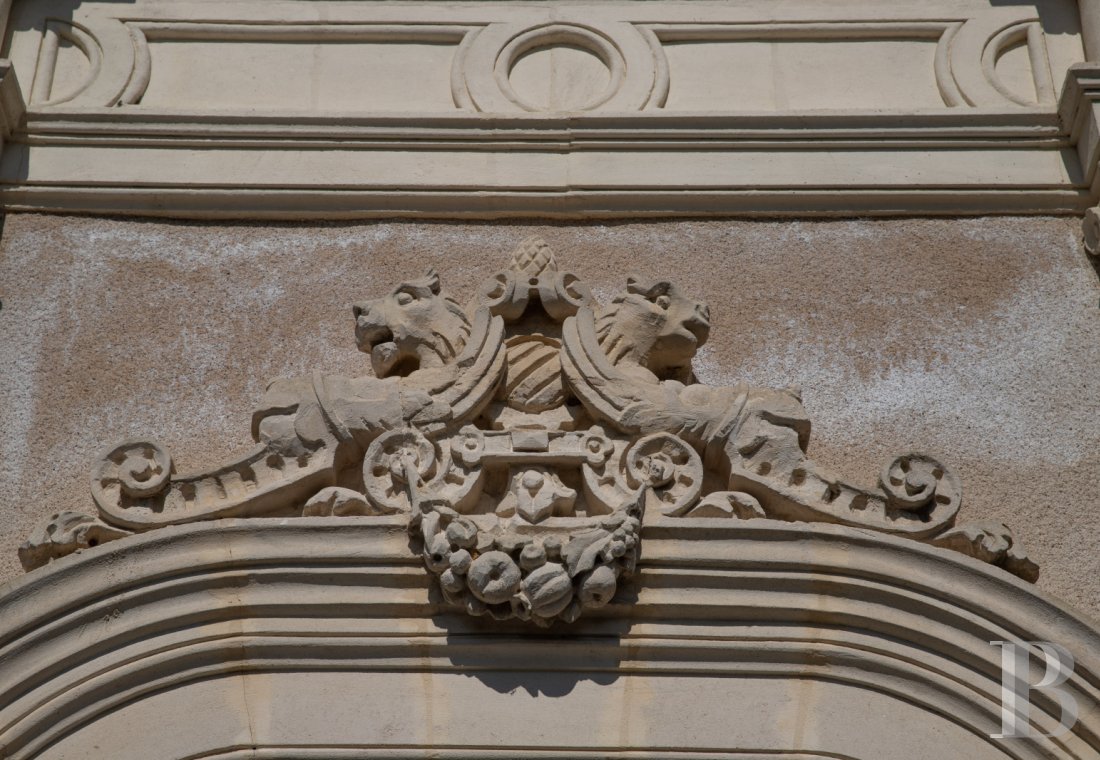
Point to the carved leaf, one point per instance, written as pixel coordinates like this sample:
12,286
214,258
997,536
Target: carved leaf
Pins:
65,533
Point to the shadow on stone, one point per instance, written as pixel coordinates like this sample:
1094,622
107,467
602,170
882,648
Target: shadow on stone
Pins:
1094,261
510,656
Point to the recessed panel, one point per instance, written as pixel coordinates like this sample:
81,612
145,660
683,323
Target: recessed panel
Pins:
789,75
307,75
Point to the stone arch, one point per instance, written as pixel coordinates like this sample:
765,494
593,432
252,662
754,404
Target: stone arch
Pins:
322,637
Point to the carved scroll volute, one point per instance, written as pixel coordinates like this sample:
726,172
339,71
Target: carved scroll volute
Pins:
403,465
761,436
134,486
261,483
919,483
502,297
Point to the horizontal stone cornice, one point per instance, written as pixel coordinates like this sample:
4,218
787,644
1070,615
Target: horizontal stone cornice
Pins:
695,118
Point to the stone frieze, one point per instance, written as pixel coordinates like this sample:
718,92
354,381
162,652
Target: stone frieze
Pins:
529,437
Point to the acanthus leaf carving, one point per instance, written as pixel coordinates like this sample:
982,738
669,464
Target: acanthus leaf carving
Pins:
991,542
529,438
64,533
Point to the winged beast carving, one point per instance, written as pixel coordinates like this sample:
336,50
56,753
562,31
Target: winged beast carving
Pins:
529,437
438,372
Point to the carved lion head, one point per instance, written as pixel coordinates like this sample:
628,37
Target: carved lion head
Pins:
415,326
655,326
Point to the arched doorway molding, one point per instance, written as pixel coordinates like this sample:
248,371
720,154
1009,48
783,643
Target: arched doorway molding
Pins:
322,637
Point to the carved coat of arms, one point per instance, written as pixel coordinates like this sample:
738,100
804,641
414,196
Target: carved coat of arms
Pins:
529,437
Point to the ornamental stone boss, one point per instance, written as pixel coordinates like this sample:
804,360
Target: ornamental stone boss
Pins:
531,438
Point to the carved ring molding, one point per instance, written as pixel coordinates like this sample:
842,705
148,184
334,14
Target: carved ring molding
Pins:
633,65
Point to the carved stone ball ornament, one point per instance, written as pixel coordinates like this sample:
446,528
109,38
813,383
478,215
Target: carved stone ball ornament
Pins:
528,437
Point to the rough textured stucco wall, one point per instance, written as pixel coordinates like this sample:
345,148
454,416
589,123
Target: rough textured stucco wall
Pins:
976,340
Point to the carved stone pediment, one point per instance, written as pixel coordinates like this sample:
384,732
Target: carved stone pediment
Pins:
530,438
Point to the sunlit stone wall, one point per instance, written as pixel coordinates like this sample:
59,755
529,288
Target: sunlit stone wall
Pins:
977,340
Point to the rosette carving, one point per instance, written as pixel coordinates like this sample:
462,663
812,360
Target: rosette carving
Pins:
669,469
913,482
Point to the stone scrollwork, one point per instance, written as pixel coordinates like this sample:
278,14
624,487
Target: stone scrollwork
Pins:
65,533
529,523
530,438
754,438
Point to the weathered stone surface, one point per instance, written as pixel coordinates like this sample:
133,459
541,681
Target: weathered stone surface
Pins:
919,322
338,502
491,506
63,534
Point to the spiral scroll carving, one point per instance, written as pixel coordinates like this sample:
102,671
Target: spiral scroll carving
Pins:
669,468
137,469
394,462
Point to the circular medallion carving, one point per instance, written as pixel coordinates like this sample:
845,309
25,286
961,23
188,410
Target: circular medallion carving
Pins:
393,459
559,67
669,467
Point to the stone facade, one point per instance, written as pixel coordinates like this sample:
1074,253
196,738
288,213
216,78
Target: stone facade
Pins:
561,503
